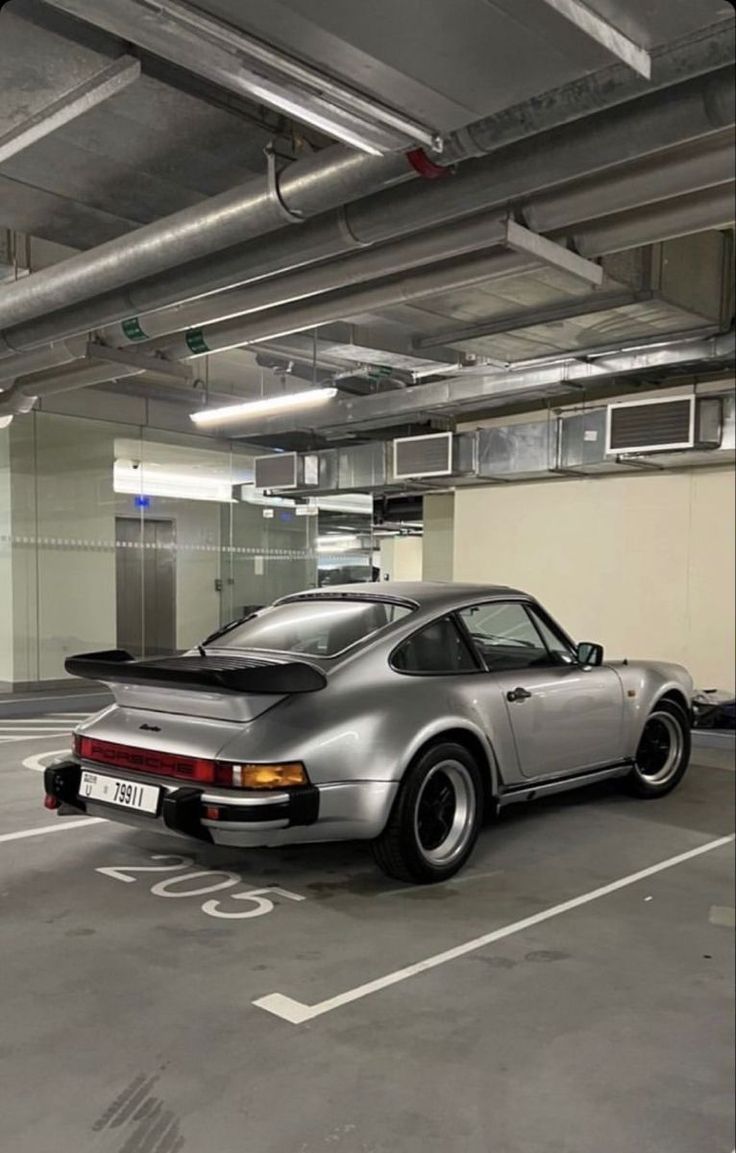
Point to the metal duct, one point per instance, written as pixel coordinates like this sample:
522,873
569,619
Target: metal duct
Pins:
24,394
451,240
667,178
360,467
702,211
573,443
518,450
326,179
650,125
485,390
54,355
630,132
656,178
682,216
277,322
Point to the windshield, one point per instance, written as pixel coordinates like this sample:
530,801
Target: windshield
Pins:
318,628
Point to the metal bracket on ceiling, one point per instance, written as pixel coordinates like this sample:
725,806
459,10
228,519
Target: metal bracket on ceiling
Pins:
272,181
546,251
133,358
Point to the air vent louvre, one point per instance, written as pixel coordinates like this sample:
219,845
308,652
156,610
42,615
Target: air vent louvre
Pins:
662,425
417,456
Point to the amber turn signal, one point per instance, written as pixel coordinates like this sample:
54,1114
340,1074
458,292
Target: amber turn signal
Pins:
270,776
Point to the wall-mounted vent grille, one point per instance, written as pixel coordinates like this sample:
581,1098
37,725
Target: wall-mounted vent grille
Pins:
663,425
416,456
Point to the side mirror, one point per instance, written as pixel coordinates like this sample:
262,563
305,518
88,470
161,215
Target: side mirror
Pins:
589,653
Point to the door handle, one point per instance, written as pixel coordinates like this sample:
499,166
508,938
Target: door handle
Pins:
518,694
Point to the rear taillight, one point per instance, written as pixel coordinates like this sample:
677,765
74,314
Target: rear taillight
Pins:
196,769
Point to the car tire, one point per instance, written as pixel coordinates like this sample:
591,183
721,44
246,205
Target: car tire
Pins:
663,753
435,819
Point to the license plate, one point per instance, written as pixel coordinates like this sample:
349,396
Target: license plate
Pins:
125,794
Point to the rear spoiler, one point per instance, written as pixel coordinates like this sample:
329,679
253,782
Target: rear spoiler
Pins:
203,673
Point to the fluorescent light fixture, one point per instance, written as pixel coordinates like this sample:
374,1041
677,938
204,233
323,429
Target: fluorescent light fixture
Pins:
152,480
240,63
286,402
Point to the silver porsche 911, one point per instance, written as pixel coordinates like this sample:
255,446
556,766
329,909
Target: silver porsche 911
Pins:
396,712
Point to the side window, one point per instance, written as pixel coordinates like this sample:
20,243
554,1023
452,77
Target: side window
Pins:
438,648
556,644
505,636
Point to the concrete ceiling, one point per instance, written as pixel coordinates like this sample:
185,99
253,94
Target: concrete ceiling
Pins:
169,140
450,63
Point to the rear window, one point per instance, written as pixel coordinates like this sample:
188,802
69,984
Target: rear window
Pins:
438,648
316,628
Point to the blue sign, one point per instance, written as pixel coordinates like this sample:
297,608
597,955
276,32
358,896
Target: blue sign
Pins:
142,501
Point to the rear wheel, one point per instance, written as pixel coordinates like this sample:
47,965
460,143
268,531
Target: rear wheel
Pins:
663,753
436,817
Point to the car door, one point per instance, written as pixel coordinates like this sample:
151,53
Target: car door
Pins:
565,717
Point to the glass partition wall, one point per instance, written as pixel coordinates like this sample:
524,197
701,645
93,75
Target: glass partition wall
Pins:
114,537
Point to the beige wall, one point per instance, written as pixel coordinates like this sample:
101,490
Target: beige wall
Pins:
644,564
437,542
401,558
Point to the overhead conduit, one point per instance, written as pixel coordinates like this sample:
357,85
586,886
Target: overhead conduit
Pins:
324,180
677,216
660,221
667,177
650,125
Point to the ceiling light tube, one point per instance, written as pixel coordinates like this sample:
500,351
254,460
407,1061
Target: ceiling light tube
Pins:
286,402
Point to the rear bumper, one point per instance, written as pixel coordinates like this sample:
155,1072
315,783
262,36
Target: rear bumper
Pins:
342,811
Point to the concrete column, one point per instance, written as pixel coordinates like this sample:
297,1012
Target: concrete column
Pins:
401,558
6,564
438,540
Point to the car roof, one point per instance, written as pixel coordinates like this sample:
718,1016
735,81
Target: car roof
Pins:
426,594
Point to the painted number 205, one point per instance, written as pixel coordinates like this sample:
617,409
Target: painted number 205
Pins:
251,902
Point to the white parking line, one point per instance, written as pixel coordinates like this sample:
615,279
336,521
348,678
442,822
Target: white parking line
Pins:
60,828
296,1013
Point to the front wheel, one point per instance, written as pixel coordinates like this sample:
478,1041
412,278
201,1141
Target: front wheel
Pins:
436,817
663,753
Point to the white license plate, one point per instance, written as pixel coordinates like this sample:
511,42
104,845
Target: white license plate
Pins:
113,791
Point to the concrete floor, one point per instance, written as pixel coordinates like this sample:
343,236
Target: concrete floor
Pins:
127,1022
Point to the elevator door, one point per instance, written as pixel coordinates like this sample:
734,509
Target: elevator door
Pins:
145,586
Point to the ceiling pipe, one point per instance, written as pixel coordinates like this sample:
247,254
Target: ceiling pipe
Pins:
27,391
447,242
63,352
713,208
647,126
699,212
648,181
324,180
656,180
